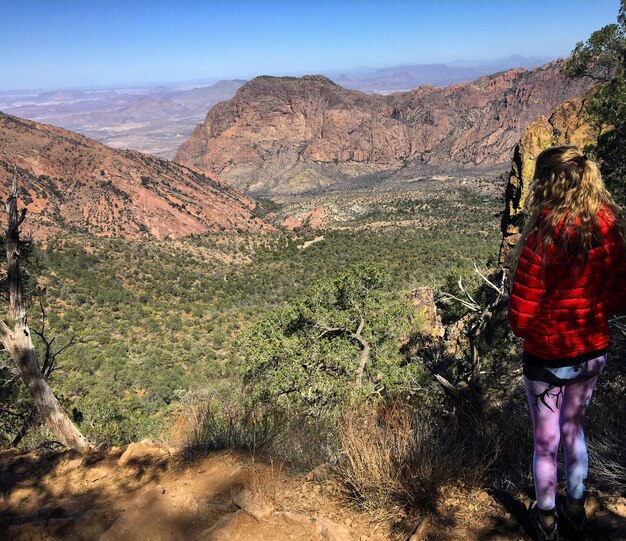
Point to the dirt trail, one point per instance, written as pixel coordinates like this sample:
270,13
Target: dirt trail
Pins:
148,494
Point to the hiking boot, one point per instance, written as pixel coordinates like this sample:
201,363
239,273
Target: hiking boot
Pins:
574,520
543,531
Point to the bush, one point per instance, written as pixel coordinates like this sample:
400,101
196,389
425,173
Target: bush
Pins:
338,340
210,422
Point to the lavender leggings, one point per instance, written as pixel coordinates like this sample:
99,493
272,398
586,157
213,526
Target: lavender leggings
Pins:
558,411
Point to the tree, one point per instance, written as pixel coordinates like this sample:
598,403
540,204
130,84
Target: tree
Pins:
603,58
18,340
342,336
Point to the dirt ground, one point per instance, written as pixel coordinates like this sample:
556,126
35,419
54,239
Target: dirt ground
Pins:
147,493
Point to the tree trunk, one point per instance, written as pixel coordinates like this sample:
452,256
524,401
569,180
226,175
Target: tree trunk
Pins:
19,344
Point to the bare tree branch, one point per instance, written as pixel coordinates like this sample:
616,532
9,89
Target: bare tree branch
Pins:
365,350
19,344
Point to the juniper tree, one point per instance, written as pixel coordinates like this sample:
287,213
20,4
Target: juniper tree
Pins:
16,338
341,337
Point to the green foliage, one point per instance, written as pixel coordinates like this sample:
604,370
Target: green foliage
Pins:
307,353
603,58
156,321
119,420
15,406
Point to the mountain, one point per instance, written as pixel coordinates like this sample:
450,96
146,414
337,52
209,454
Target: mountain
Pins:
70,182
504,63
406,77
152,119
292,135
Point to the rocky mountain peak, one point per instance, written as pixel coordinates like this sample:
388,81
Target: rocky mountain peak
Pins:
296,134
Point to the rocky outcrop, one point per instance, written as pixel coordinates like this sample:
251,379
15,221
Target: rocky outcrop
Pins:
423,301
292,135
565,126
314,219
69,182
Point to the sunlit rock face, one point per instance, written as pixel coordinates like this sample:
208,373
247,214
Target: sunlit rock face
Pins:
565,126
292,135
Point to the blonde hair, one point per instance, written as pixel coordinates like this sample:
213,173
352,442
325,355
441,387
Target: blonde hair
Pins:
564,200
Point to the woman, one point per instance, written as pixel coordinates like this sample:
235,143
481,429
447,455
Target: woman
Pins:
567,283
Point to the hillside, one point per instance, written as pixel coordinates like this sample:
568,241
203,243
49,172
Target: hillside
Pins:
71,183
293,135
158,320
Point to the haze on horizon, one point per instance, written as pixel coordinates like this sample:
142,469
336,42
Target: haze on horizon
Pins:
68,43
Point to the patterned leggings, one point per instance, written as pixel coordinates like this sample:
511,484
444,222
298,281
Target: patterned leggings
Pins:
558,411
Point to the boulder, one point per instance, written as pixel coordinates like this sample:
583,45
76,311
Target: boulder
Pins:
253,505
142,453
227,527
327,530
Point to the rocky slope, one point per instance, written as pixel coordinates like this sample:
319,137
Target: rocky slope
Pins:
292,135
69,182
565,126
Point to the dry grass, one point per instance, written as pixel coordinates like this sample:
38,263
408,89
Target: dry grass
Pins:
393,455
209,423
608,461
606,435
305,441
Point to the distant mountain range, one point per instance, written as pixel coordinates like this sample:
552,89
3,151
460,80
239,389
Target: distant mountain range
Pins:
155,120
158,118
71,183
406,77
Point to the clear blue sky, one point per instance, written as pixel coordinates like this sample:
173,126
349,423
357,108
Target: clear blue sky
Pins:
64,43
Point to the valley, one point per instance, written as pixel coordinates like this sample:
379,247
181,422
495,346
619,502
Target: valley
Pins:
281,304
157,321
153,119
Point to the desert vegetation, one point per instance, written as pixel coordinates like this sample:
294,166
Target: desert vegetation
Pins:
154,321
225,341
306,347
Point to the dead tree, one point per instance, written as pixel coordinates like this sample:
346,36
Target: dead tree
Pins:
479,318
18,341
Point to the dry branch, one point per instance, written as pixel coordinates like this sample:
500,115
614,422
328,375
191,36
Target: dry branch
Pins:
18,341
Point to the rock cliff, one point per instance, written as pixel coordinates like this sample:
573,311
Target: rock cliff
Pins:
565,126
69,182
291,135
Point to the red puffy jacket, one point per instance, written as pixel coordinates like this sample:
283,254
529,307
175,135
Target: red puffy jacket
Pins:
560,311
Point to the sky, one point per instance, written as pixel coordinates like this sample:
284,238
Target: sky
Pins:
66,43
